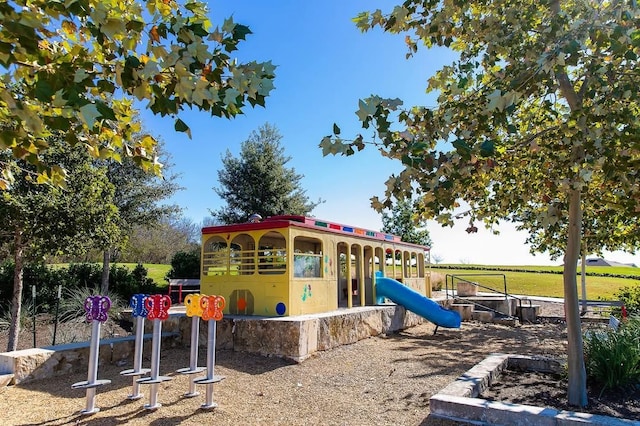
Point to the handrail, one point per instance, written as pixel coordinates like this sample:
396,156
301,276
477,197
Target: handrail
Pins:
505,293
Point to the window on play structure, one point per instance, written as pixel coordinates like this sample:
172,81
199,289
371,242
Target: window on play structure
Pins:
215,254
242,255
307,257
420,265
272,253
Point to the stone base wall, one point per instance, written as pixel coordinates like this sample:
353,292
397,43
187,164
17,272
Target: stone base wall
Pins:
296,338
299,337
41,363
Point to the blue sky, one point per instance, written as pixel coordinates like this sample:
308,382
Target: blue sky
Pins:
324,65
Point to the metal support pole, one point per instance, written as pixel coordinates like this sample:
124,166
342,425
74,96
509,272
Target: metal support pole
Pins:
193,359
55,324
33,298
137,370
96,308
211,378
157,307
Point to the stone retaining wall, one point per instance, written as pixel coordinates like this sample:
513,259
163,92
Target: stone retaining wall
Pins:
296,338
41,363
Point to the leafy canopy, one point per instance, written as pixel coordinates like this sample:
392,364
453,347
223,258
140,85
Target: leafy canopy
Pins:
542,100
536,123
78,66
52,220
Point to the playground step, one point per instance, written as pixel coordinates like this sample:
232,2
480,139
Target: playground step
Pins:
528,313
464,309
483,316
505,320
506,306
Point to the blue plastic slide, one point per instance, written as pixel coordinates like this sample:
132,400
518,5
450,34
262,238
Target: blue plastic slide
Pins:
416,302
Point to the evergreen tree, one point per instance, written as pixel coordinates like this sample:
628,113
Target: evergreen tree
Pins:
401,221
258,181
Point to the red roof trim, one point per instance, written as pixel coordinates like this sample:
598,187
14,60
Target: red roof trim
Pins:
278,222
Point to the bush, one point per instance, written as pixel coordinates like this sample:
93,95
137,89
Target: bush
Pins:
612,357
185,265
72,304
45,279
437,281
85,277
630,296
126,283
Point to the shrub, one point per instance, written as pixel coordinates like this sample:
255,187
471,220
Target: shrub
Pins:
185,265
437,281
72,304
125,283
82,277
612,357
630,296
45,279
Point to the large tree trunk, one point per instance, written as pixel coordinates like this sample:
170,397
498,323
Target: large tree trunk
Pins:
16,304
104,284
577,391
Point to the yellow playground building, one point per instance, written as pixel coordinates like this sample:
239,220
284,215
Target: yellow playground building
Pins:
295,265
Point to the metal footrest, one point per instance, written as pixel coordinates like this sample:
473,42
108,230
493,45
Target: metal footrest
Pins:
132,372
188,370
151,381
87,385
206,380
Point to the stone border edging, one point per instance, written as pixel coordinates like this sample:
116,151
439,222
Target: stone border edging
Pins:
459,400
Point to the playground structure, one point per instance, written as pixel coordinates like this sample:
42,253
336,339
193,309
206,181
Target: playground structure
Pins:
295,265
288,286
156,308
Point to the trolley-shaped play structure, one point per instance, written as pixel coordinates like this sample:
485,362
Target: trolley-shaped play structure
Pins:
296,265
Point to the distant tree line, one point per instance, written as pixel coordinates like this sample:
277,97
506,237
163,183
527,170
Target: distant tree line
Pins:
535,271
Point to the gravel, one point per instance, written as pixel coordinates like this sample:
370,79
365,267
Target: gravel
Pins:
384,380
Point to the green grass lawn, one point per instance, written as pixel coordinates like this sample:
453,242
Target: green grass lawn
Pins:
542,283
156,272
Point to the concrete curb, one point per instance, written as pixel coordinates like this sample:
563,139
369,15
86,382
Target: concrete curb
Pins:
459,400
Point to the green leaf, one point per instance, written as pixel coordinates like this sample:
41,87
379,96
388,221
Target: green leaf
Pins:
240,32
105,111
132,62
462,147
487,148
89,113
336,129
365,110
44,92
181,126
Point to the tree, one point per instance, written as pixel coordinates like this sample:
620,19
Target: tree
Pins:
138,196
258,181
81,64
400,221
160,242
536,122
40,219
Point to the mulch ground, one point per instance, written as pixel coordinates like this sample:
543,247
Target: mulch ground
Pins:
384,380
